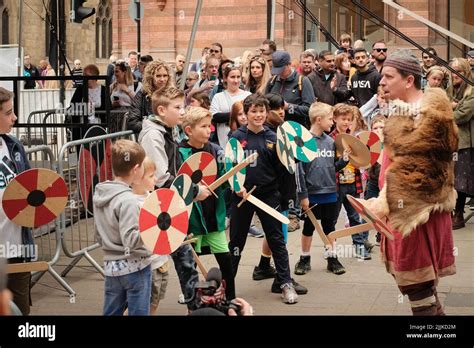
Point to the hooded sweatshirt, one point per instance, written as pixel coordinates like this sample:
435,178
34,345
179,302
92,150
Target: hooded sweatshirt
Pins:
116,214
364,85
159,145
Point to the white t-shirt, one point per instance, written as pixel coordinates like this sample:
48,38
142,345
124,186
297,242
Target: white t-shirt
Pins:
10,233
222,102
124,98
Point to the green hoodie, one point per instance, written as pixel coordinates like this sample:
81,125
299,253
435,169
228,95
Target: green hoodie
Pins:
198,221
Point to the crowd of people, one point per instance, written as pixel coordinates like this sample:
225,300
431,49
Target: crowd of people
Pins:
247,98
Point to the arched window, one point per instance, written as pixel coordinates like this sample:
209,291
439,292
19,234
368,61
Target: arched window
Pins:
103,29
4,23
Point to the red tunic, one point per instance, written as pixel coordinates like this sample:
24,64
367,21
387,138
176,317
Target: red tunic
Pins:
427,253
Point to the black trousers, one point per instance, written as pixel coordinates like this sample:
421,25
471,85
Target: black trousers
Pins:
240,221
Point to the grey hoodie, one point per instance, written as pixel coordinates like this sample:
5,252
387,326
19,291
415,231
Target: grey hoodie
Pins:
159,145
116,214
319,175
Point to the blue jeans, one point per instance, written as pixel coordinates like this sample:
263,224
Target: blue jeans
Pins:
132,290
354,218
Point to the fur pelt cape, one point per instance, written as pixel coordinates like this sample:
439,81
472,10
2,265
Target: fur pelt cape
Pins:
420,179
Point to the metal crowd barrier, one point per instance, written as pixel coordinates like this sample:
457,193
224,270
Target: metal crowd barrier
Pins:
78,232
47,237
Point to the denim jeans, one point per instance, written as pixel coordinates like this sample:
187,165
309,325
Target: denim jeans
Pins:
132,290
354,218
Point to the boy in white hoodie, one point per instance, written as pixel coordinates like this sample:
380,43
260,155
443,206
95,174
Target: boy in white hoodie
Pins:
126,260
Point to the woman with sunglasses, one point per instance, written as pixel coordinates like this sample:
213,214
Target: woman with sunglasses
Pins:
222,102
462,97
259,75
158,77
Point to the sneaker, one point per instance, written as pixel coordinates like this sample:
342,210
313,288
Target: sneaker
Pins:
288,294
263,273
294,223
300,289
335,266
255,232
361,252
303,265
368,245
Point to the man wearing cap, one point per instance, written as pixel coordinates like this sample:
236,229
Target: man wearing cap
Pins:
296,90
470,59
417,188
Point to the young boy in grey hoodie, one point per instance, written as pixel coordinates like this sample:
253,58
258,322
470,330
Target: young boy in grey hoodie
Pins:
158,138
116,212
316,183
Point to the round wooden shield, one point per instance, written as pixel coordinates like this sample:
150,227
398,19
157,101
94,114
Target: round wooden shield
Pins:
303,145
95,165
200,166
35,197
183,186
360,156
234,154
367,215
163,221
373,143
284,151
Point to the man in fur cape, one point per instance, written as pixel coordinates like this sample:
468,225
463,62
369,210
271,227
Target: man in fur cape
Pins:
417,183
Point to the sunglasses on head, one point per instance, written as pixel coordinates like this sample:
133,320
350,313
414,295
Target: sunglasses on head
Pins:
381,49
258,59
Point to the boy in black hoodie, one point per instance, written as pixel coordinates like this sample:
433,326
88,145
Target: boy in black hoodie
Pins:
366,80
271,179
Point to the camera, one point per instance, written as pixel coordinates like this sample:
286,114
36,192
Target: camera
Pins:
211,293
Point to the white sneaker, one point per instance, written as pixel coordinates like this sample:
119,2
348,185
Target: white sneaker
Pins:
288,293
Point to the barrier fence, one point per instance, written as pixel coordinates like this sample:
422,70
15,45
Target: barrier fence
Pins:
47,237
94,165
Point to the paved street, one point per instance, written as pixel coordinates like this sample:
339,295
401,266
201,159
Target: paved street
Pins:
365,289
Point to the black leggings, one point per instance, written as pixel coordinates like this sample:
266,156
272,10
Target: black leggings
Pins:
461,201
225,264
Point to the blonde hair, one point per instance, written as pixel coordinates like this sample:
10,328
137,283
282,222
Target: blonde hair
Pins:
266,75
149,74
194,115
126,154
465,89
164,98
319,109
148,165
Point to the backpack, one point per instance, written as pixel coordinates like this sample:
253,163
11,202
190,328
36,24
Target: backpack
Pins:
300,83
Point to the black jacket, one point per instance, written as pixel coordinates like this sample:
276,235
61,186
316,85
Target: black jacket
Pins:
322,89
141,108
364,85
269,175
